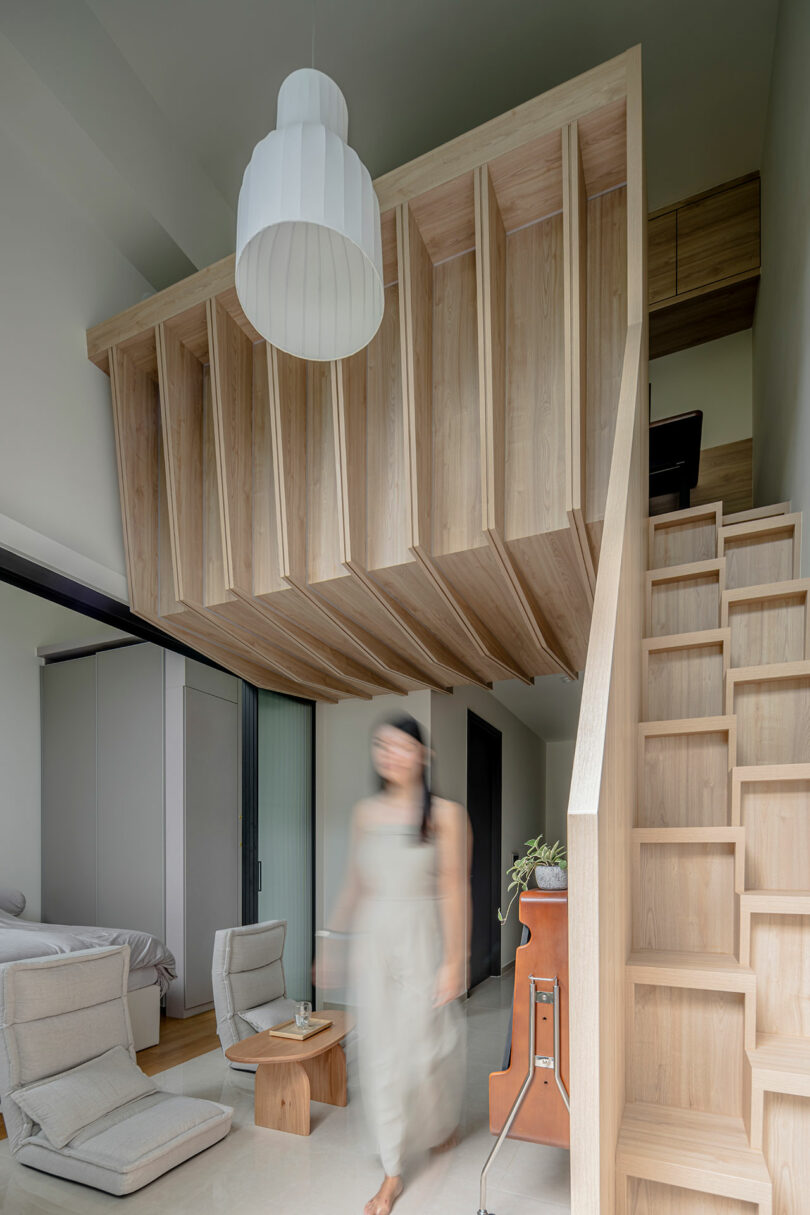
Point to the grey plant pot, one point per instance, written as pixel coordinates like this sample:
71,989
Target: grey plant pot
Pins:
551,877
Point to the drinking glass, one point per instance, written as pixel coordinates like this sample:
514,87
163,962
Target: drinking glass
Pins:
303,1011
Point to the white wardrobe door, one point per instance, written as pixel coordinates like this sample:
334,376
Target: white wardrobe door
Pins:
69,792
130,789
211,833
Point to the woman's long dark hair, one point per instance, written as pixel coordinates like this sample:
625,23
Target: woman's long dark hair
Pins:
410,726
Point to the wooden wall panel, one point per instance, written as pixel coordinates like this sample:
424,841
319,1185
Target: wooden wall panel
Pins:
388,522
535,381
685,898
683,777
780,955
787,1134
687,1049
776,817
456,499
607,325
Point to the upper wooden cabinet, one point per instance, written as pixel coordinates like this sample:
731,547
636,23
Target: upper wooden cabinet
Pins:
703,266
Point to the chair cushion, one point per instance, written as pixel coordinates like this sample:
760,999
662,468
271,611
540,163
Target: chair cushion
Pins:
62,1105
265,1016
125,1149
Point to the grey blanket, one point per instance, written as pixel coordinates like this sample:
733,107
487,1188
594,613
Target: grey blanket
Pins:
27,939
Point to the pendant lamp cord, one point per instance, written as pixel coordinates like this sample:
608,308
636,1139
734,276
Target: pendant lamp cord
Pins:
314,14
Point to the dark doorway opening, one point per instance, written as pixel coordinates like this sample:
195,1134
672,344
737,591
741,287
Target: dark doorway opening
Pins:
484,809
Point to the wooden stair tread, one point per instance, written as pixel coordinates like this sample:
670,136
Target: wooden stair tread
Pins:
776,902
689,835
690,569
687,725
687,641
757,512
789,589
748,774
671,968
693,1149
780,1053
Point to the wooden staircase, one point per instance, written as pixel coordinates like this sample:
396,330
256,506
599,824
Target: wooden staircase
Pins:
717,1120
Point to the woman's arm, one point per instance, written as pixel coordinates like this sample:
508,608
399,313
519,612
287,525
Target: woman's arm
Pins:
454,850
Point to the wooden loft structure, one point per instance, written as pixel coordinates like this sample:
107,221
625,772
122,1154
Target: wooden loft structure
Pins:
429,512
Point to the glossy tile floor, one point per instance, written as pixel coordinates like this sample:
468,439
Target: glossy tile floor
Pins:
333,1171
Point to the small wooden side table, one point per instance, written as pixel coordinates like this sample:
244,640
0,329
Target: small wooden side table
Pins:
291,1074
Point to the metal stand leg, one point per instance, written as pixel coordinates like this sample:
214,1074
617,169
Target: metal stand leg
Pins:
534,1061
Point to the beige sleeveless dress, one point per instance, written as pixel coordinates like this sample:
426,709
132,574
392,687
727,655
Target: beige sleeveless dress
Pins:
411,1054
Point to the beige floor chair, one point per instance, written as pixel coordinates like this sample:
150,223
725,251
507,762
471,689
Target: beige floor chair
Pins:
74,1100
250,991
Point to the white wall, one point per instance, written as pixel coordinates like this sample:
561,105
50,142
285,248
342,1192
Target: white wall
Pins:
559,765
782,318
57,458
523,766
714,377
27,622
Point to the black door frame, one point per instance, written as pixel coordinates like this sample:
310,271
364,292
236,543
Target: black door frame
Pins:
495,823
250,808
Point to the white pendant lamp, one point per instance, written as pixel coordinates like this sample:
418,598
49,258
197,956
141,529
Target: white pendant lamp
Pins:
308,241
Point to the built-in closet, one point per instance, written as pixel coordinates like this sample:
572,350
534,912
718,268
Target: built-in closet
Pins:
140,802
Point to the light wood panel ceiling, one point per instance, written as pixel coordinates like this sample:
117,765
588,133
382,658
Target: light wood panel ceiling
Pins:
428,512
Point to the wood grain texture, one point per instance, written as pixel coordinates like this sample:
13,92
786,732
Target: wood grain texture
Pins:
726,475
662,254
718,236
684,776
685,598
685,898
686,1049
684,675
654,1198
787,1133
767,624
703,315
681,537
762,550
535,381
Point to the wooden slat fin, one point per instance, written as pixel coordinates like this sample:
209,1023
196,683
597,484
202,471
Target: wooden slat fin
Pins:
575,239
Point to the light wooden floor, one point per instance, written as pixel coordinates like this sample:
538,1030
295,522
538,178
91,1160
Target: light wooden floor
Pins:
179,1042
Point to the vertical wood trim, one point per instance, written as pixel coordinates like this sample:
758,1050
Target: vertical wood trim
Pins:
415,273
575,292
349,413
137,450
287,388
180,376
231,355
490,264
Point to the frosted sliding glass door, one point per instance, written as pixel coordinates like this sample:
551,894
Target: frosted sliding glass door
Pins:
285,830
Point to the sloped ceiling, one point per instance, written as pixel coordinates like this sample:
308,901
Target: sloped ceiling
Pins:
145,112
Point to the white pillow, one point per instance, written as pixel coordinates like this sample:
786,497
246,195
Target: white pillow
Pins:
11,900
63,1105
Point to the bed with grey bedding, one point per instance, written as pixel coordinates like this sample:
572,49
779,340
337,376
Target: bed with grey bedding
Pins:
150,960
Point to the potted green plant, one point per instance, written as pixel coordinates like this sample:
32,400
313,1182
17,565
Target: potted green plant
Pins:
547,862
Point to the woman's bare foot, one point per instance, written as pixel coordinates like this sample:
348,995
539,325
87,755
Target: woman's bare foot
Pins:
385,1197
450,1142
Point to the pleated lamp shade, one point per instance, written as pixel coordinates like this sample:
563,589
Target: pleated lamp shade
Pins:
308,241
